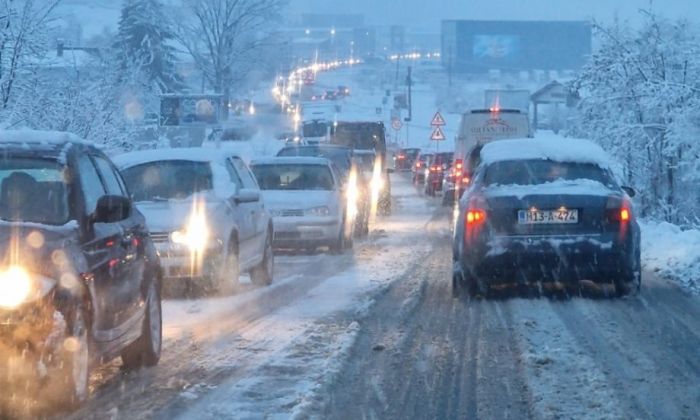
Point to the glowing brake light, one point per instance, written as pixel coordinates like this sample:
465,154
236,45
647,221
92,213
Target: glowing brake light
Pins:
494,109
458,165
624,215
475,217
466,180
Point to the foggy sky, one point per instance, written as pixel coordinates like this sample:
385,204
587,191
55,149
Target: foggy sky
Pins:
429,13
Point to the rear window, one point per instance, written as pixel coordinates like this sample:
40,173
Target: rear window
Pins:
168,179
341,157
294,177
533,172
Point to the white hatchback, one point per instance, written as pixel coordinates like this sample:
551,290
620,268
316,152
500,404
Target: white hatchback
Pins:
206,215
307,202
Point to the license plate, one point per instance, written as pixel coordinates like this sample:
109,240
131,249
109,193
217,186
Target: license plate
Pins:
539,217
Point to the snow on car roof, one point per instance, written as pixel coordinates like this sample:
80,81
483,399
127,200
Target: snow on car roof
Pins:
546,147
23,135
291,160
197,154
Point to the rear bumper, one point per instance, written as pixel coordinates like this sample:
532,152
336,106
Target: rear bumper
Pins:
517,259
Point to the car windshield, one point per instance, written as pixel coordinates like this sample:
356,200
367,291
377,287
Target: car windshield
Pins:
294,177
33,190
341,157
532,172
168,179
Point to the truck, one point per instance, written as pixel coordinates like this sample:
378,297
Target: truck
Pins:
476,128
367,136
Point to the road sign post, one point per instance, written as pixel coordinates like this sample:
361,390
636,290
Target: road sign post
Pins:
438,135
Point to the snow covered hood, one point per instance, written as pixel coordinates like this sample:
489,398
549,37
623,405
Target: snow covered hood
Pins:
296,199
546,147
167,216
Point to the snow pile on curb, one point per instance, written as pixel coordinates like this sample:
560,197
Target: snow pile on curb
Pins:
672,252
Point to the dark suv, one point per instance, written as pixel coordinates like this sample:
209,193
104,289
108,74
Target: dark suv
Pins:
79,276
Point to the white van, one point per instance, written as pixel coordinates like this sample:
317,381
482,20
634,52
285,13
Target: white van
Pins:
478,127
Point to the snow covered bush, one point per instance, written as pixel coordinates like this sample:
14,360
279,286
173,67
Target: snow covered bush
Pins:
641,100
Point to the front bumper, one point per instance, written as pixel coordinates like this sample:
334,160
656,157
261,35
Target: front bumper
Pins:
179,262
292,232
599,258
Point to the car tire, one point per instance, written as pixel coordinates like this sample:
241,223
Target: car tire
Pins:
263,274
146,350
227,280
338,246
69,384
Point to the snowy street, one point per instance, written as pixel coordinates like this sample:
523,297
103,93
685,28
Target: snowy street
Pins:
377,334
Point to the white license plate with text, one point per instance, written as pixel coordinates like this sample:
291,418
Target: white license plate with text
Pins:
537,217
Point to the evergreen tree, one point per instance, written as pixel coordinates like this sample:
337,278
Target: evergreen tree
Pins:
143,42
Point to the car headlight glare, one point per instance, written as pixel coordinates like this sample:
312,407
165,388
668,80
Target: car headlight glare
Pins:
18,286
318,211
195,235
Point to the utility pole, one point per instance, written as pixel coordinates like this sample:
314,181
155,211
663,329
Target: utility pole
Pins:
396,78
409,83
449,66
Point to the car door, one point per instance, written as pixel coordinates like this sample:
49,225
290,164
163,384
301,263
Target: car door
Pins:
258,221
133,234
242,214
105,256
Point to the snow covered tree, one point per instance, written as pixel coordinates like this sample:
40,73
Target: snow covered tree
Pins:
640,95
144,41
227,38
22,35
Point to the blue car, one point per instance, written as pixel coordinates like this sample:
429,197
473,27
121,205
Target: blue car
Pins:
539,211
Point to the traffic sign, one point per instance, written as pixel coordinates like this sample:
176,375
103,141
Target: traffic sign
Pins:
437,135
396,124
438,121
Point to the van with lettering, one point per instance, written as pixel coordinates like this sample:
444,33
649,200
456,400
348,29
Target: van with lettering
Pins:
478,127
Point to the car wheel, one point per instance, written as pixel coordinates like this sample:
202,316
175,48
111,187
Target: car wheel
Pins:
262,275
146,350
338,246
230,272
70,384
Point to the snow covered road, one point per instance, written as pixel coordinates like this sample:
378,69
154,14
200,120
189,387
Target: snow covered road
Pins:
377,334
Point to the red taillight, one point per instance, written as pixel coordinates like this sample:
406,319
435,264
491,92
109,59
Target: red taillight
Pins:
458,164
418,164
402,157
623,214
475,217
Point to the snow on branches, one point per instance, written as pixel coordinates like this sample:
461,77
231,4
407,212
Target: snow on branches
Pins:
641,100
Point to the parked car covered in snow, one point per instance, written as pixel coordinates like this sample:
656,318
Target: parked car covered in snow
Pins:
206,216
80,277
307,202
537,210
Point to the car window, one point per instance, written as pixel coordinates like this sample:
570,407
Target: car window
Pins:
532,172
33,190
294,177
168,179
247,178
90,183
109,176
233,175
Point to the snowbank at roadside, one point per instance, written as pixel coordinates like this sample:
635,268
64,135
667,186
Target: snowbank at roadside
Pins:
672,252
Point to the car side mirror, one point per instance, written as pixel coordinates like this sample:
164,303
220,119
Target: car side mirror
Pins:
112,209
246,195
630,191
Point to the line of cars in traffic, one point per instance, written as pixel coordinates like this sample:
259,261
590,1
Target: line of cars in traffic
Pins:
90,243
545,211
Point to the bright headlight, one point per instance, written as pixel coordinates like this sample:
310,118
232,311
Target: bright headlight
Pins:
17,286
195,234
317,211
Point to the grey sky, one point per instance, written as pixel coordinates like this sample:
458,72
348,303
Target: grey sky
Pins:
428,13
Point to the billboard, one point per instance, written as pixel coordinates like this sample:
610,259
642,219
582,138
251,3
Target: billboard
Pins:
496,46
478,46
